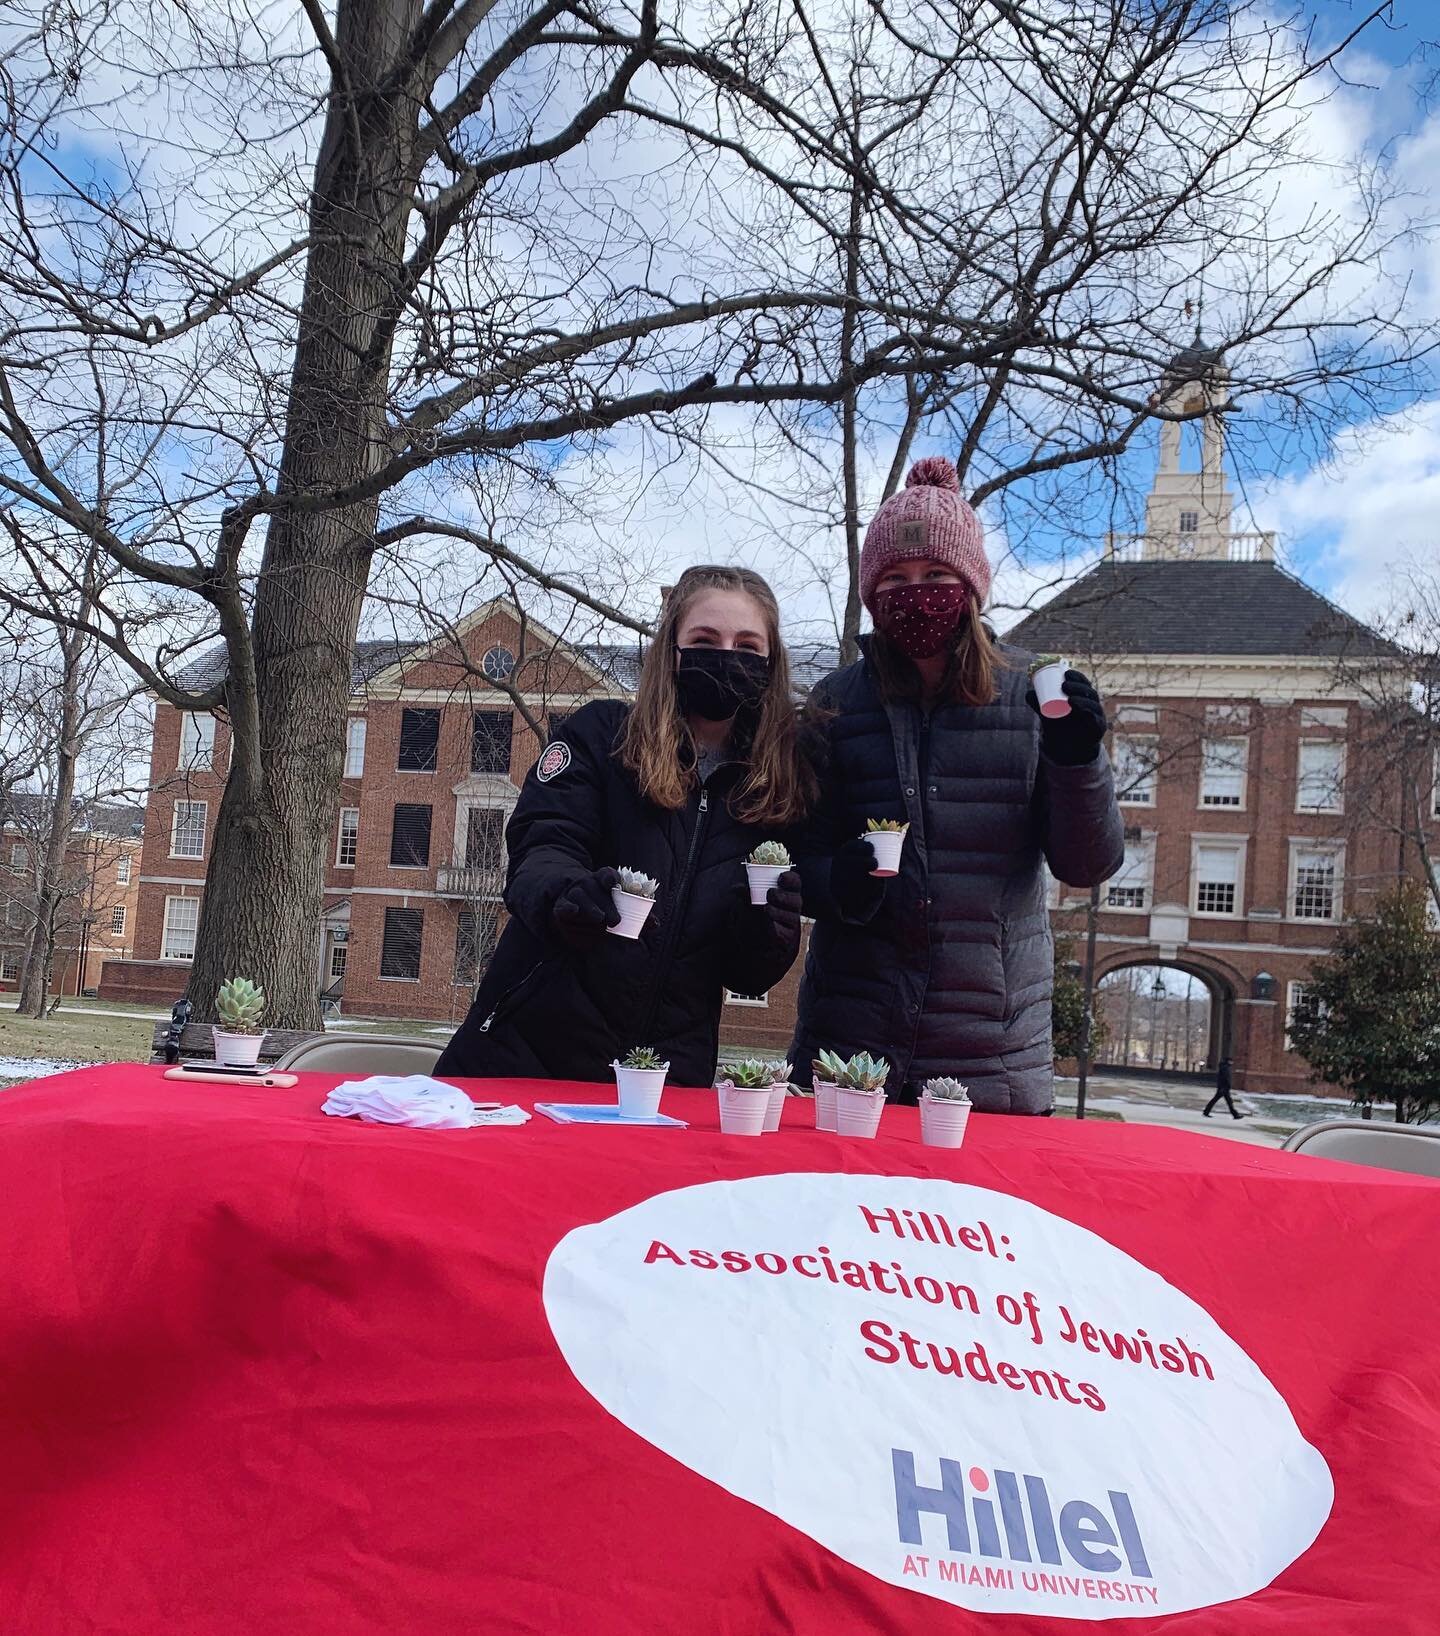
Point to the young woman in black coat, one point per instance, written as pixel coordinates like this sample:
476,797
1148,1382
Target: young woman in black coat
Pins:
683,785
948,967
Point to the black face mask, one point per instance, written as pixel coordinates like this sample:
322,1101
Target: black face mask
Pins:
717,683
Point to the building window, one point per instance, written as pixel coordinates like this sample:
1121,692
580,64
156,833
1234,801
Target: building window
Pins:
400,947
1314,883
1129,888
16,914
410,836
1227,718
1300,1002
355,747
490,742
117,920
1320,782
731,998
485,837
122,872
10,966
182,917
474,944
419,740
1314,715
1189,522
339,954
1222,772
1217,878
1136,715
1135,763
187,829
197,743
19,857
349,840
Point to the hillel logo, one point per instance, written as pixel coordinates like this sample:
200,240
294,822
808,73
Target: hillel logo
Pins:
1018,1524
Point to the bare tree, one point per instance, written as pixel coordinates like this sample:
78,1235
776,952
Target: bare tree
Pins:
337,281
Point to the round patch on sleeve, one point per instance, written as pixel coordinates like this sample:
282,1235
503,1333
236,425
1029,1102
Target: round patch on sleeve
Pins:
554,759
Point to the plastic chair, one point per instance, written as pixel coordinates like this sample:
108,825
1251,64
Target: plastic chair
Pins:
1411,1148
338,1053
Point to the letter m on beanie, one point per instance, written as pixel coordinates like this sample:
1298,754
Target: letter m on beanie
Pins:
914,536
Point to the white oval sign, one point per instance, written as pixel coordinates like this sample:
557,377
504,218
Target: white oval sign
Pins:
953,1389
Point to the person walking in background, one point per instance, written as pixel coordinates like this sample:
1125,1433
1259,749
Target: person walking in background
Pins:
948,967
1222,1089
682,785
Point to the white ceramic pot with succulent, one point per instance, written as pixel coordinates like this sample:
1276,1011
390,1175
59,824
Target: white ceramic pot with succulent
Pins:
944,1112
827,1068
639,1082
860,1095
634,898
1047,677
744,1098
887,837
765,865
240,1005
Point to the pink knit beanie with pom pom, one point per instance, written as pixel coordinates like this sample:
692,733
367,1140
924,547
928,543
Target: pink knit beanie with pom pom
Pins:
929,517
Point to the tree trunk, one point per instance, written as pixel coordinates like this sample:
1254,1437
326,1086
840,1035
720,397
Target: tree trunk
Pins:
849,438
289,689
50,871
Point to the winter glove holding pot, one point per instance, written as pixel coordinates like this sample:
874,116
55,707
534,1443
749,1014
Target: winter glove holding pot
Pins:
781,912
585,908
857,890
1073,740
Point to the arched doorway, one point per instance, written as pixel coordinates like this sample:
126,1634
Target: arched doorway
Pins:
1164,1017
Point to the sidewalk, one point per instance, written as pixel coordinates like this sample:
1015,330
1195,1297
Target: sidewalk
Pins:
1180,1106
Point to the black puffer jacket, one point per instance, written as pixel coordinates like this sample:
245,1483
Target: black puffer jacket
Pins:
546,1011
953,975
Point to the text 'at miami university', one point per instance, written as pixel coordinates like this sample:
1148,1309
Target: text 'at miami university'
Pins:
1021,1534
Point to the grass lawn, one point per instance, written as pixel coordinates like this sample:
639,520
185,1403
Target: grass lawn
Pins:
76,1037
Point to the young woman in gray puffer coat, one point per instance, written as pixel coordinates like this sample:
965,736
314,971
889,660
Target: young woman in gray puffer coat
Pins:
947,967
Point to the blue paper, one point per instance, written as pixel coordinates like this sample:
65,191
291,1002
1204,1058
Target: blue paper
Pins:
604,1113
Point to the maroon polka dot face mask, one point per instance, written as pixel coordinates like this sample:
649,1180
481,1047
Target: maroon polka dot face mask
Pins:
921,620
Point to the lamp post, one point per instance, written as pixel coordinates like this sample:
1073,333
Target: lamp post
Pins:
1092,916
1157,994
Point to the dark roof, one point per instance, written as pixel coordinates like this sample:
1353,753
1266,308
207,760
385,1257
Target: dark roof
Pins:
1191,362
370,659
92,817
1218,609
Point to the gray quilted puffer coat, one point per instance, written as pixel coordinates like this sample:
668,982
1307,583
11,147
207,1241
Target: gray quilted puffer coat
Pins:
953,975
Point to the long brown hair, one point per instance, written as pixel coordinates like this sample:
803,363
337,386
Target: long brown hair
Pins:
779,783
968,677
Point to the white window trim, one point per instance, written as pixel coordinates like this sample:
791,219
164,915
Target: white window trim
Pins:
1225,806
503,802
1145,846
1138,798
204,806
1339,807
123,870
755,1003
1238,843
1336,850
117,913
177,959
355,746
1291,999
340,835
19,856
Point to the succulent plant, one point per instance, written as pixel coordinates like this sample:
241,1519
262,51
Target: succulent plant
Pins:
1040,661
945,1090
749,1076
771,853
828,1067
642,1056
864,1073
241,1004
876,826
637,883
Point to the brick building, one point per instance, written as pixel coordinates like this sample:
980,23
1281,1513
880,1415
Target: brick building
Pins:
1262,807
101,884
434,760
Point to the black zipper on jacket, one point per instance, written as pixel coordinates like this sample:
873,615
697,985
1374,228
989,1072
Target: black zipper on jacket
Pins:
677,918
510,995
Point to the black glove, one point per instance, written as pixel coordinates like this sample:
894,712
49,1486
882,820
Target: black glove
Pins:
781,910
585,908
857,891
1073,740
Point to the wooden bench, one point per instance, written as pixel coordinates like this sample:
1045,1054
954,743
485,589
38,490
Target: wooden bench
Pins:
197,1043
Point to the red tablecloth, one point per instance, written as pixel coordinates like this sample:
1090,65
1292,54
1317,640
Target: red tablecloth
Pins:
262,1370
